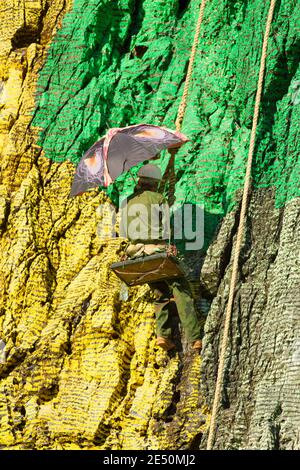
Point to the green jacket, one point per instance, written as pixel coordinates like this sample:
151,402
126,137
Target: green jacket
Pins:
145,218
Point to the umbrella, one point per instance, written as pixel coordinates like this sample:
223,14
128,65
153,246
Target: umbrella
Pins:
119,150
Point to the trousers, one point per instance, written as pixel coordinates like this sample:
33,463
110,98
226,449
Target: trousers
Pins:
180,290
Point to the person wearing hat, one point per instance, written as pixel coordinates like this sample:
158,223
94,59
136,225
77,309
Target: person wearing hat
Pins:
137,217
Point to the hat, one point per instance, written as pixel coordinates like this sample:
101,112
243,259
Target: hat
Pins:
150,171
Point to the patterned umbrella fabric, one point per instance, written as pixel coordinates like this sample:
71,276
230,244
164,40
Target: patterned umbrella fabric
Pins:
119,150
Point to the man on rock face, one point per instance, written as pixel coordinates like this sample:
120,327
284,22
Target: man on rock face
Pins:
145,226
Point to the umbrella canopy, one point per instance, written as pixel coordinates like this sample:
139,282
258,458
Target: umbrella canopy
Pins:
119,150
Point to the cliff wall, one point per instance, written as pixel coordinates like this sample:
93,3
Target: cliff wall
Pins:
79,366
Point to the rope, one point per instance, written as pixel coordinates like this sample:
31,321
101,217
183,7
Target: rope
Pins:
220,376
182,107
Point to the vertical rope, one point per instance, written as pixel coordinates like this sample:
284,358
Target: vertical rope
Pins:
240,231
170,170
182,106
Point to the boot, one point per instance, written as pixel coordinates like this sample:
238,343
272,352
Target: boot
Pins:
197,344
165,343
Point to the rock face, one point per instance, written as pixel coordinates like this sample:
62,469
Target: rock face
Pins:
261,393
78,364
